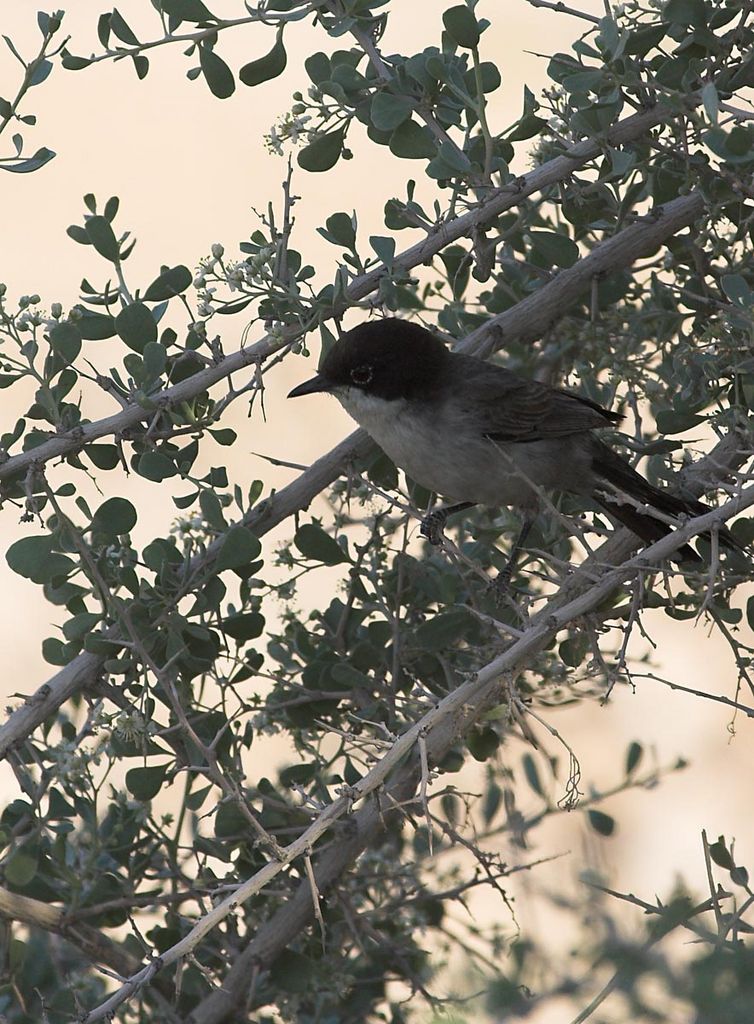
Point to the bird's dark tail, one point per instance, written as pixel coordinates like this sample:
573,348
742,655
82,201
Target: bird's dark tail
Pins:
614,470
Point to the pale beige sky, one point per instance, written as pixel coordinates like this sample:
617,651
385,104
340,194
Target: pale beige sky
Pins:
188,169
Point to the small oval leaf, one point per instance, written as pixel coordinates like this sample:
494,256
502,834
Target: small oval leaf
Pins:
314,543
172,281
102,237
265,68
218,75
136,326
323,153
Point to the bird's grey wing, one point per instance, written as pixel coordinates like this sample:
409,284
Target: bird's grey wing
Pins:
512,408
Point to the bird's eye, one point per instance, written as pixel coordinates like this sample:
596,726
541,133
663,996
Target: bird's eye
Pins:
361,375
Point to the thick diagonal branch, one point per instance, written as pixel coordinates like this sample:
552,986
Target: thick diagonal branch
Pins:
499,200
527,320
395,777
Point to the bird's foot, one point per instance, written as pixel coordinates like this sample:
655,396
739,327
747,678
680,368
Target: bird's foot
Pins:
500,587
433,526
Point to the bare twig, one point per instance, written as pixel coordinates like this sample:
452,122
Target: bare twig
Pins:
496,202
558,5
453,715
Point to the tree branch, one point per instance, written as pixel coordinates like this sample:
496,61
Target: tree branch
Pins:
451,718
498,202
560,7
527,320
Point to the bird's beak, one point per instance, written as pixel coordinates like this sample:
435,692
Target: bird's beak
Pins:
310,387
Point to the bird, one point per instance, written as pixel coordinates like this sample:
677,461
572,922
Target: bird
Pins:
477,433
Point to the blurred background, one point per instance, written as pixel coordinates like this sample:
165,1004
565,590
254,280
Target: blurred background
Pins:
190,171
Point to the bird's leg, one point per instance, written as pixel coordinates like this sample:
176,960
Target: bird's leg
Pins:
503,578
433,524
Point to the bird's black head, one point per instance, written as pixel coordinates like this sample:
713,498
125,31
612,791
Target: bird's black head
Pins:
386,358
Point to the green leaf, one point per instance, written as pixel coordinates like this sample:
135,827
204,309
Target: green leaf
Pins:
172,281
489,75
461,26
482,743
719,853
298,774
41,72
584,81
348,677
340,230
32,163
671,422
711,101
136,326
160,552
65,340
78,627
55,652
239,547
103,28
141,63
493,798
573,650
411,141
739,876
526,128
384,246
224,436
156,466
195,800
735,147
154,357
146,783
34,558
686,12
113,518
20,868
442,630
243,626
121,29
229,821
313,542
104,456
187,10
323,153
642,40
318,67
102,237
95,326
212,510
601,822
388,111
532,774
73,63
454,157
633,756
292,972
217,73
267,67
555,248
737,289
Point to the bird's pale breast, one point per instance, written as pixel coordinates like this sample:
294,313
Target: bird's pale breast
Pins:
441,451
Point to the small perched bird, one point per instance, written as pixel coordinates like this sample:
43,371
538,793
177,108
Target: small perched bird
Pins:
477,433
